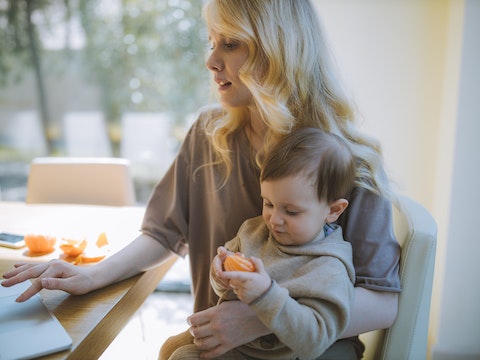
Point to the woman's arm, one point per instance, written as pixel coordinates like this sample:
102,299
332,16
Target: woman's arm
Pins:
138,256
372,310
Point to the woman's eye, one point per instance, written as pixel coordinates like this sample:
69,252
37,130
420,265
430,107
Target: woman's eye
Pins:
226,45
230,45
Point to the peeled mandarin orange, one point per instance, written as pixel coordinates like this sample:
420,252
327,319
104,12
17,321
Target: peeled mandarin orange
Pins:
238,262
40,244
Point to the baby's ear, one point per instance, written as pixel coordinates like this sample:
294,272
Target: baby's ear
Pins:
337,207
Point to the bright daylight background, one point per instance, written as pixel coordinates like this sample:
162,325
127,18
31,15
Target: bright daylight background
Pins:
123,78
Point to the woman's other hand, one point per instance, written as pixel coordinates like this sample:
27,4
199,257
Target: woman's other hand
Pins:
53,275
224,327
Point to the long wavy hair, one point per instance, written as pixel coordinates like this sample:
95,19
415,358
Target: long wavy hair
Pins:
297,86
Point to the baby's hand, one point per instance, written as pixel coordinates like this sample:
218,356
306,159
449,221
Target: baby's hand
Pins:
217,270
249,286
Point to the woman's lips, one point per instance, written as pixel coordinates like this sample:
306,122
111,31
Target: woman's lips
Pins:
223,84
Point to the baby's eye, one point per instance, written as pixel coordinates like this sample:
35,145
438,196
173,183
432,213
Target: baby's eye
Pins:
292,212
267,204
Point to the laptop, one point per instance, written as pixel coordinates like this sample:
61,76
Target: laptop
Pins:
28,330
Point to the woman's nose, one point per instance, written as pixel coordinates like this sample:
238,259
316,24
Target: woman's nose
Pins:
214,63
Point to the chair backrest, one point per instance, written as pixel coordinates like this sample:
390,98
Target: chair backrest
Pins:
86,134
416,231
86,180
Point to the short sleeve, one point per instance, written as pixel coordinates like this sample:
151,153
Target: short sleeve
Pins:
368,225
167,211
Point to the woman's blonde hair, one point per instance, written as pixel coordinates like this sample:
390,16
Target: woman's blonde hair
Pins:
297,87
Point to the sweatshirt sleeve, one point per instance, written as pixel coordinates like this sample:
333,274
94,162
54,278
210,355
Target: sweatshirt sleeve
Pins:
317,317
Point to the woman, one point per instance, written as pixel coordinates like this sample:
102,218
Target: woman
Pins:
271,67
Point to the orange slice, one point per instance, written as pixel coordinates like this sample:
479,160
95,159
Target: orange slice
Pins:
238,262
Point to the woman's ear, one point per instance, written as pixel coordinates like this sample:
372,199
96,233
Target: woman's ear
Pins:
337,207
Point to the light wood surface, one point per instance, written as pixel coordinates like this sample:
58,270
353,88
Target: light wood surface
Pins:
92,320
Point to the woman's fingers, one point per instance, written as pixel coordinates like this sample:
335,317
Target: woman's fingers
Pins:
54,275
22,272
31,291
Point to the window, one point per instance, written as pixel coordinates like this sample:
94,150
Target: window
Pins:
119,78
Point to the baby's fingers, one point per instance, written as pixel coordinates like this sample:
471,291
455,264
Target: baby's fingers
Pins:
259,266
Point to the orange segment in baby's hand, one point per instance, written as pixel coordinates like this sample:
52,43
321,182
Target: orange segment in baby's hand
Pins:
238,262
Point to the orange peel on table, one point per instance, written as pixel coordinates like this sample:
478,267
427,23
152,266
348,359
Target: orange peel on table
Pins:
40,244
73,248
84,259
238,262
102,240
78,252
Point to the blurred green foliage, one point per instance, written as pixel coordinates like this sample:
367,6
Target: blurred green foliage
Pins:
147,55
144,55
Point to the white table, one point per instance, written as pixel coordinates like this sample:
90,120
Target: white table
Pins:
92,320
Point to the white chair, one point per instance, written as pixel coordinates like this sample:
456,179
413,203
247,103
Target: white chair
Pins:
86,134
416,231
97,181
148,144
22,130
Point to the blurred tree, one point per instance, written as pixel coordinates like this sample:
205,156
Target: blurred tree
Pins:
144,55
19,47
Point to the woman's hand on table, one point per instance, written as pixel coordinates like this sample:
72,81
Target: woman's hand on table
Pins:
53,275
224,327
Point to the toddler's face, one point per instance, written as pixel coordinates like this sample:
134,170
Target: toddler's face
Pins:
291,209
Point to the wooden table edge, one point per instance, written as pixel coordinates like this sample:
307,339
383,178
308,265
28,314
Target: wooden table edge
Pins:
93,346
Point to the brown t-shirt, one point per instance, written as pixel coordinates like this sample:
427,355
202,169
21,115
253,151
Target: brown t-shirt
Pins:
189,212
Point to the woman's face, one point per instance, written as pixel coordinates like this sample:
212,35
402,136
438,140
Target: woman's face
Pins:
226,58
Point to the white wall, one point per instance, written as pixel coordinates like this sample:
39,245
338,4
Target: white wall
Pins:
391,55
459,320
413,68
